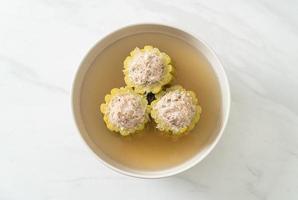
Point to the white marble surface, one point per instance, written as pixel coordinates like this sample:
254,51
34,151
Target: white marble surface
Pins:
41,45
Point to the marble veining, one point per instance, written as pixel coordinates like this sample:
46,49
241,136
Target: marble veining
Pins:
41,45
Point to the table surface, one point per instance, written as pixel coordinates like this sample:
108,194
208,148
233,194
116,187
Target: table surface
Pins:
41,45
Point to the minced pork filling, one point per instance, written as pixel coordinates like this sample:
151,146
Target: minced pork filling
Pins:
176,109
126,111
146,68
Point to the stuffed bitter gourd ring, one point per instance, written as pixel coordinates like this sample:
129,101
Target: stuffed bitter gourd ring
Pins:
125,111
147,70
176,111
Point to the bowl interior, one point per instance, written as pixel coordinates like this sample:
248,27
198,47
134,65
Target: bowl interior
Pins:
149,153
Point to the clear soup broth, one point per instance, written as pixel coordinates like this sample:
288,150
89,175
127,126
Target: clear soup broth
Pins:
149,150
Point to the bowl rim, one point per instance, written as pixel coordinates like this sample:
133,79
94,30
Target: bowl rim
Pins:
184,166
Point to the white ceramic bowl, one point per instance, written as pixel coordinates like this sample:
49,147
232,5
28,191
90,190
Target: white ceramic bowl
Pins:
87,93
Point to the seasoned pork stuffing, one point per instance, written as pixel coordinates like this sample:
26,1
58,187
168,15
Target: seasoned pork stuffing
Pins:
176,109
146,68
126,111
